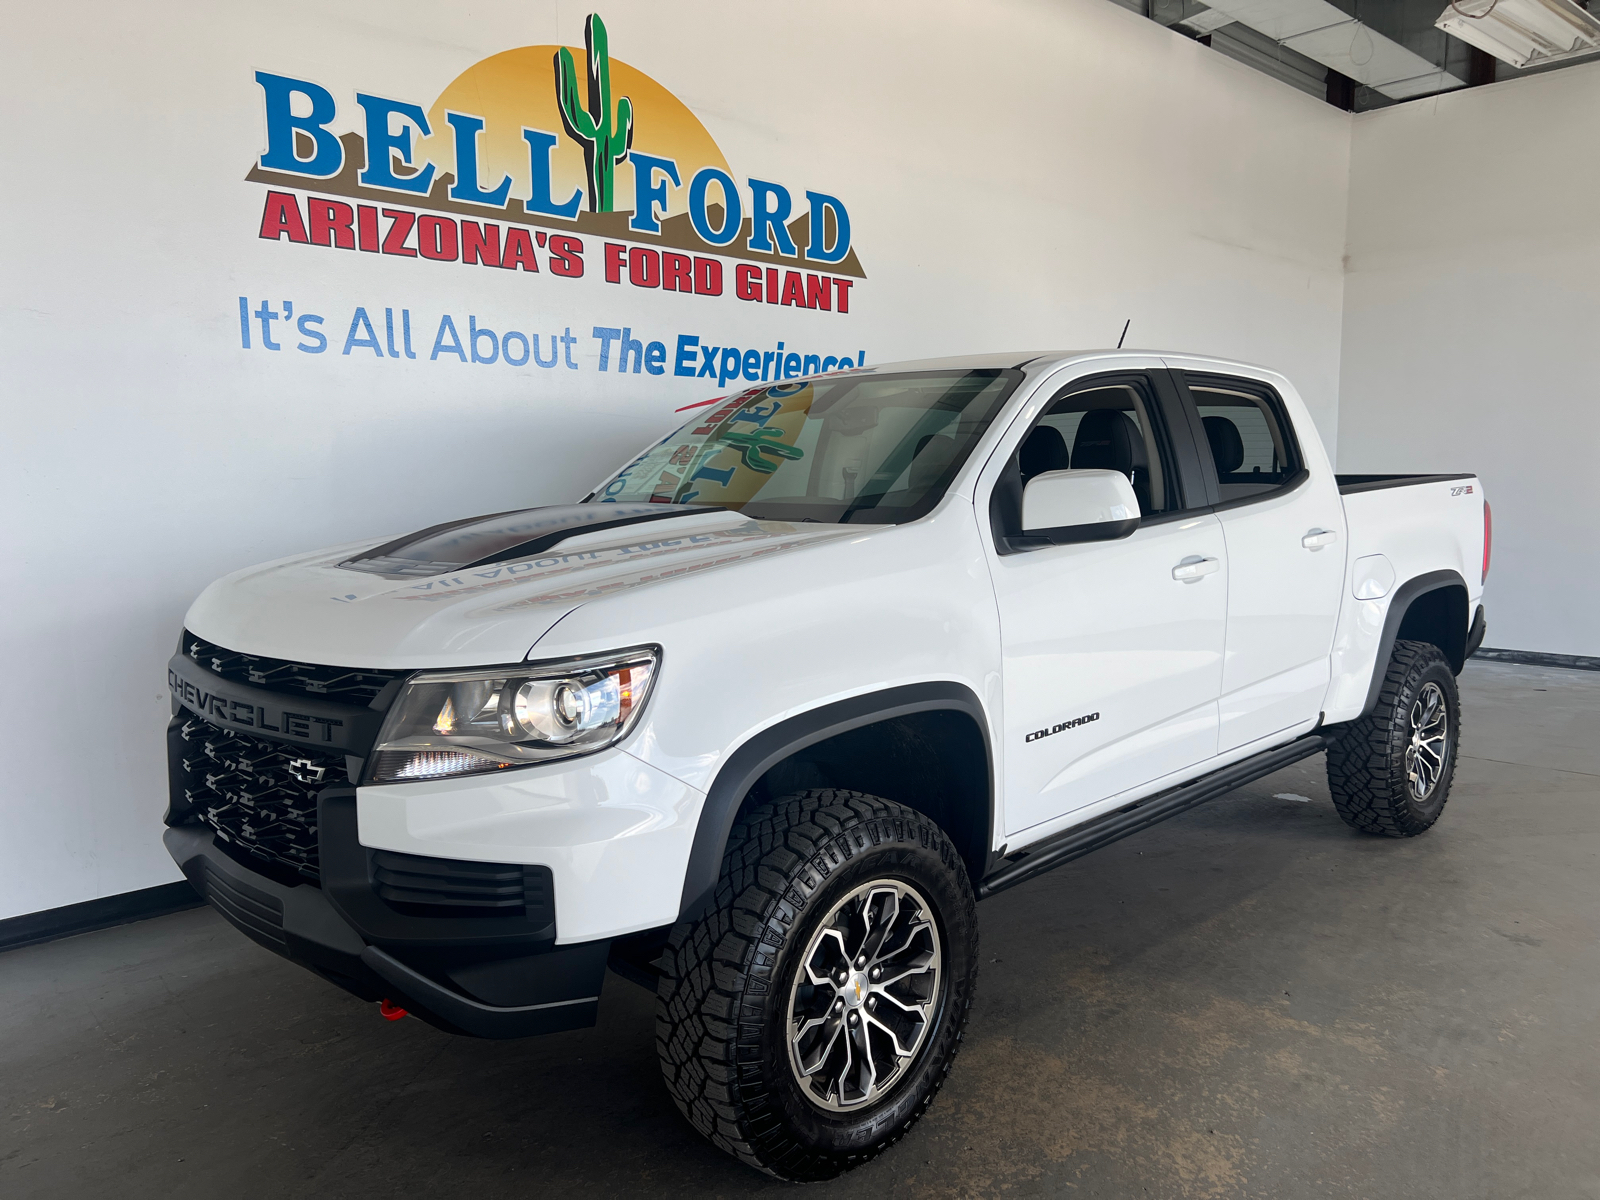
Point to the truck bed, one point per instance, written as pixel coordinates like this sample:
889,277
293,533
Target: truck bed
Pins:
1433,530
1372,483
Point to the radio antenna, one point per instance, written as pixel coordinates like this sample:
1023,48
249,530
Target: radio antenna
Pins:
1124,336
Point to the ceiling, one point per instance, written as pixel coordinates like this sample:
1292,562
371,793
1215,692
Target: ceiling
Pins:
1356,54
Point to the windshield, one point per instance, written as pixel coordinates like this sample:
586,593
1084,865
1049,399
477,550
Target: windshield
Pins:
873,449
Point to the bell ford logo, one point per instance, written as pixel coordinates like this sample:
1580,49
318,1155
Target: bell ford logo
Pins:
527,153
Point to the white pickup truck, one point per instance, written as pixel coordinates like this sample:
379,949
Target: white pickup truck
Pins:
758,720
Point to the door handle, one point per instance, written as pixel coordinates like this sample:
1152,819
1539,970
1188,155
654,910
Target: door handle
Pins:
1194,568
1316,539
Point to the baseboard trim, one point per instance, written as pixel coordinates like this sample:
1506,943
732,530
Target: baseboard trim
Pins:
32,928
1538,658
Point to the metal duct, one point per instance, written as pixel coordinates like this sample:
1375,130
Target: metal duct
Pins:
1332,37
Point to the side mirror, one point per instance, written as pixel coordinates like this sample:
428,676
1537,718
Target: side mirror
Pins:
1079,506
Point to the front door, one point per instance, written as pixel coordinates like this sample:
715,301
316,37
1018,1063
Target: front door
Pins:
1112,664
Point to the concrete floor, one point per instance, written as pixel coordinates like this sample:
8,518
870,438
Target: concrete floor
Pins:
1250,1000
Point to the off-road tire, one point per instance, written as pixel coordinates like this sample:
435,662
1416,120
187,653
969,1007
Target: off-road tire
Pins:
1367,771
722,1002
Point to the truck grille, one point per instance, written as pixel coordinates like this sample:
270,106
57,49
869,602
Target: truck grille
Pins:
359,686
259,796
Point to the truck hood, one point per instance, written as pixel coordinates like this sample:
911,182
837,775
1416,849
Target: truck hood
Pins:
396,606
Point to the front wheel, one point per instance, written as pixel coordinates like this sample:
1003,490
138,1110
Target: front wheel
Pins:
1390,772
807,1018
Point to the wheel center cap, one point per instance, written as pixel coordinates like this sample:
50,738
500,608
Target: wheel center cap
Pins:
854,992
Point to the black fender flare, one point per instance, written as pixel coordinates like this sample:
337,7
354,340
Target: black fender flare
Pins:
1404,597
764,750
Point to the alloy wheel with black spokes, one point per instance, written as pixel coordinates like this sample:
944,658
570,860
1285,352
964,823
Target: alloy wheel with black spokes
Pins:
809,1016
860,1004
1429,746
1390,771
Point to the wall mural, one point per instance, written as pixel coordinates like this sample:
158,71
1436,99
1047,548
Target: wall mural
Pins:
559,164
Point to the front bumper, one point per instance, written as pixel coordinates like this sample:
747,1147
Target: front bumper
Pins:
444,896
482,989
614,832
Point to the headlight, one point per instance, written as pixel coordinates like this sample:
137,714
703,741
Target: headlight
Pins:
449,723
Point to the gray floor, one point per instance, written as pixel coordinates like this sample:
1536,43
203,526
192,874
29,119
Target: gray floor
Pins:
1250,1000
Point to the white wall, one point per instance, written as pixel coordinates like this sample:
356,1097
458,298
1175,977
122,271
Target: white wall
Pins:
1472,315
1018,174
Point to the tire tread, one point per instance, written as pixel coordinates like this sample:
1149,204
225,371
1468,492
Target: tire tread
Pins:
1366,770
718,969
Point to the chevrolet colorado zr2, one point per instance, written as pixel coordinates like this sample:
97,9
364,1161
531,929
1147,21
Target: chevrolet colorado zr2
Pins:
758,721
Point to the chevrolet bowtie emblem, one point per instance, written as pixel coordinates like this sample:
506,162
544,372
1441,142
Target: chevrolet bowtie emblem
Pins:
306,771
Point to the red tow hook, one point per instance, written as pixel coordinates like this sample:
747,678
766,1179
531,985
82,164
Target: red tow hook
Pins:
390,1011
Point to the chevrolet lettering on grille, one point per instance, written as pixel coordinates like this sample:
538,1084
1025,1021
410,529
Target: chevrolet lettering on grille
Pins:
310,720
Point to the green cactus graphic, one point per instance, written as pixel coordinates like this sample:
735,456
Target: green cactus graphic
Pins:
605,144
768,441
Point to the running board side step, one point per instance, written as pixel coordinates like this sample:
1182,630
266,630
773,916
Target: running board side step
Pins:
1086,838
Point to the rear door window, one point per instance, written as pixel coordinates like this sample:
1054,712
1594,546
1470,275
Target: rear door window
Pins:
1246,436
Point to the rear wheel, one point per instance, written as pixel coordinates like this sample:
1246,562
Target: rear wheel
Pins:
1390,772
807,1019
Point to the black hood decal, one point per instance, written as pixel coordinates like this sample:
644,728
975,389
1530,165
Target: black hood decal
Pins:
502,537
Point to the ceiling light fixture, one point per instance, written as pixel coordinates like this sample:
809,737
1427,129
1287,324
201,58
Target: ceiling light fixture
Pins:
1523,33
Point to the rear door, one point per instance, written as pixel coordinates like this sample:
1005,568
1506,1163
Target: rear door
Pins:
1111,665
1284,526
